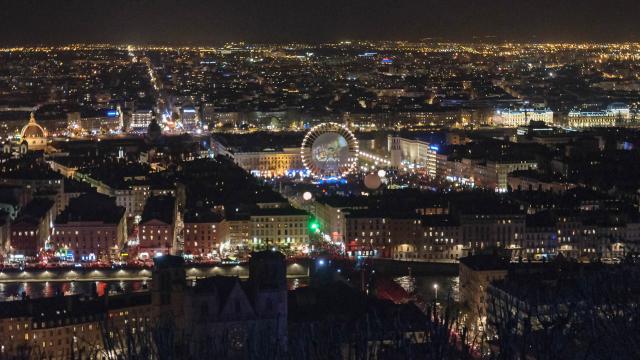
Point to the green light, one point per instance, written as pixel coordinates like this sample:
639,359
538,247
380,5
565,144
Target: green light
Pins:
314,226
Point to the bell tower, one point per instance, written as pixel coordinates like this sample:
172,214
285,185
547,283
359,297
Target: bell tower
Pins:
168,288
268,278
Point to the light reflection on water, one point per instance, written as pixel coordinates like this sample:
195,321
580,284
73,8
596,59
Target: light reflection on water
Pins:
408,283
420,285
293,284
14,291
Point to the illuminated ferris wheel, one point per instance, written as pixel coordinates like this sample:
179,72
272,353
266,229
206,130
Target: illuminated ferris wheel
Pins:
329,150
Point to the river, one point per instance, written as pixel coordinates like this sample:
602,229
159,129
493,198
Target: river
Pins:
422,285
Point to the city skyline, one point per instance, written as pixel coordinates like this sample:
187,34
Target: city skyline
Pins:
195,22
288,179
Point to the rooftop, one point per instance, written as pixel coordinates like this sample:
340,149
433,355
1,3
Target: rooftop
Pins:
280,211
201,215
160,208
36,209
92,207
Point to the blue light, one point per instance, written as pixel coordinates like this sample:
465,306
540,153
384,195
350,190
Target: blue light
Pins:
112,113
297,172
189,110
434,147
332,180
321,262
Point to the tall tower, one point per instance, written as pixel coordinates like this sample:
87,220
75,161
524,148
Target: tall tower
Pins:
396,151
268,278
168,288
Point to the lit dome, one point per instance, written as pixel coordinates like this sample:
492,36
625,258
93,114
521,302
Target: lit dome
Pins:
154,131
32,130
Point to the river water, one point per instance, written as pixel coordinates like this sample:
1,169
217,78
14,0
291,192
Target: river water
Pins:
421,285
14,290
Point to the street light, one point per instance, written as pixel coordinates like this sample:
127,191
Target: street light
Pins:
435,287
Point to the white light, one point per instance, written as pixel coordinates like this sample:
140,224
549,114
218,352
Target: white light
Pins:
307,196
158,254
382,173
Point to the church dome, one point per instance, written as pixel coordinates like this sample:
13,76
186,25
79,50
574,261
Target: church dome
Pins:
154,131
32,130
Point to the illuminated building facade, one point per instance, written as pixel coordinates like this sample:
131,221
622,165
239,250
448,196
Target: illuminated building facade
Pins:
33,137
412,237
31,230
63,327
441,239
157,234
499,230
497,171
615,114
202,234
413,152
271,163
92,227
134,197
5,234
331,212
450,237
521,117
584,119
237,232
107,121
140,120
331,218
484,174
279,226
189,118
389,237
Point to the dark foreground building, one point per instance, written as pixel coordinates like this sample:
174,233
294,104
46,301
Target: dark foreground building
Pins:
565,310
218,317
223,318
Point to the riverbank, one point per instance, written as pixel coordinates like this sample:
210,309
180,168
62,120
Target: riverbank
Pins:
403,268
295,269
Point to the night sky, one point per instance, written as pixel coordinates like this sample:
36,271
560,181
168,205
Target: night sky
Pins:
211,22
